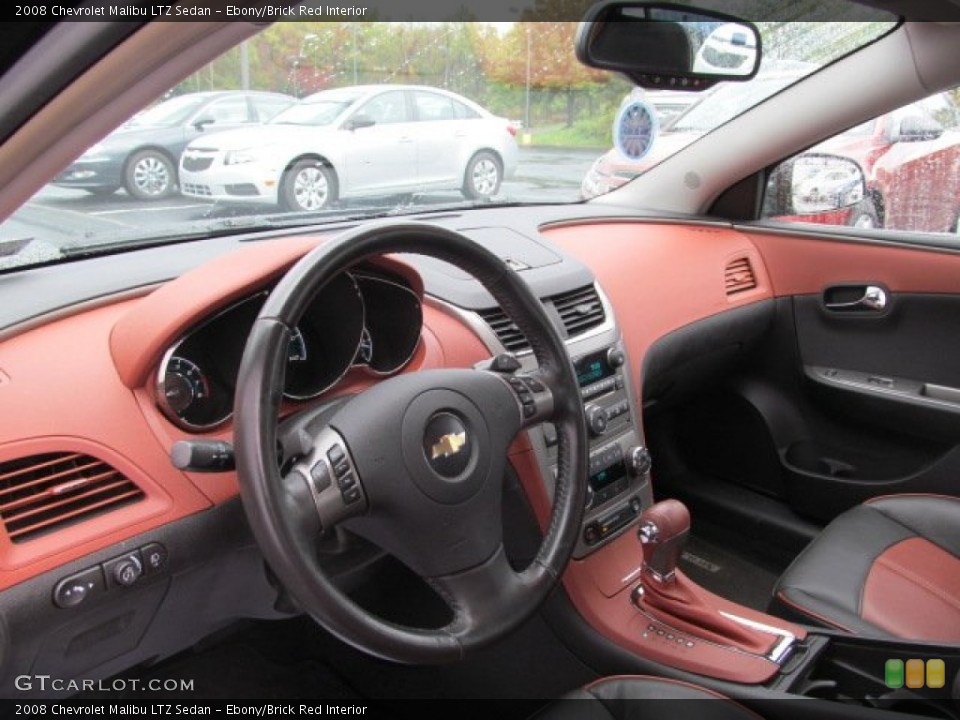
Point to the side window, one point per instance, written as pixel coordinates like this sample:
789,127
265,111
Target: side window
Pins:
267,107
390,107
433,107
228,110
462,112
909,162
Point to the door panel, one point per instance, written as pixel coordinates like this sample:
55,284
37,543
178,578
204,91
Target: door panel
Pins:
831,406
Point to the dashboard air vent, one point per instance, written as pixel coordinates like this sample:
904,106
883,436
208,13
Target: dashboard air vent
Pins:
739,276
42,493
579,310
506,330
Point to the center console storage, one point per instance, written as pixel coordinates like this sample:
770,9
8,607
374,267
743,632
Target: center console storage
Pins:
910,677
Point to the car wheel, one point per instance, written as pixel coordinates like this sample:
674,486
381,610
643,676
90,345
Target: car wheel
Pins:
865,216
483,176
149,175
102,191
308,186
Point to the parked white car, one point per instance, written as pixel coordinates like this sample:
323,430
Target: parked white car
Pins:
355,142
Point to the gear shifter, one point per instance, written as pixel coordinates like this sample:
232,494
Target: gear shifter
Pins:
671,597
664,529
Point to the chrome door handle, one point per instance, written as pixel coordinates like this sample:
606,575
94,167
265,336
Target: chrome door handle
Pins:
874,299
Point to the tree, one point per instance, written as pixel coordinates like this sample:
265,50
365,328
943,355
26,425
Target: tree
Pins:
540,55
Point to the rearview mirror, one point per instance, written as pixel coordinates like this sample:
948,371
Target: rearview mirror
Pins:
666,46
201,122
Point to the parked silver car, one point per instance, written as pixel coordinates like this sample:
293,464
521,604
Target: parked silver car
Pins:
354,142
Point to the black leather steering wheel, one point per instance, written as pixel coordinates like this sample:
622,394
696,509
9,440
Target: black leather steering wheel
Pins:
414,464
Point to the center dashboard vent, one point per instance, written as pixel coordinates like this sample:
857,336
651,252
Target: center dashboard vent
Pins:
579,310
739,276
42,493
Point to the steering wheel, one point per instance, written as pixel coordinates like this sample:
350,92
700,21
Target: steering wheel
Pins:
415,463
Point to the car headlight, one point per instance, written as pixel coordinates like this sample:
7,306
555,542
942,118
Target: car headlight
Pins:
238,157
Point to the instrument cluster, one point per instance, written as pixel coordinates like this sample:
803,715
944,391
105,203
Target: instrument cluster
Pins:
365,318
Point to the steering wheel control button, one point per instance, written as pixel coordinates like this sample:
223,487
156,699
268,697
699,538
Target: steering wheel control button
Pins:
447,445
155,558
347,481
320,476
125,570
75,589
335,455
351,495
535,385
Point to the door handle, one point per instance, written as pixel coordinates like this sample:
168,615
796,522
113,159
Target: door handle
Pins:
873,299
405,139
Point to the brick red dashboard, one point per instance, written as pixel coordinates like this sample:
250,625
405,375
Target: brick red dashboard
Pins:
79,384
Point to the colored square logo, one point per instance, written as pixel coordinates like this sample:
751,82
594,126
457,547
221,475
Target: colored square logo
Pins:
893,673
936,674
915,673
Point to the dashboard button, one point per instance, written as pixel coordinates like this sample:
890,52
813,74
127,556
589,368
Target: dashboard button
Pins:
73,590
124,571
155,558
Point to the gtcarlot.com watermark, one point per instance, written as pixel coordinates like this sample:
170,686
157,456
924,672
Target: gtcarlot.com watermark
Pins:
46,683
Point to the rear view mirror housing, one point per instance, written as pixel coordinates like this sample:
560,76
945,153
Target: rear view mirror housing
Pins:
668,47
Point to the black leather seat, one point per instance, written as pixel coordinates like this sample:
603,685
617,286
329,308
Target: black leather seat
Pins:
888,568
625,698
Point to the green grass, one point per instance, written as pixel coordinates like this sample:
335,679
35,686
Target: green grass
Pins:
595,134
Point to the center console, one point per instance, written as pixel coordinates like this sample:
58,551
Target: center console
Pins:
619,464
619,482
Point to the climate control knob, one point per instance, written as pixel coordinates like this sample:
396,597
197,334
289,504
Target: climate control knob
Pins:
596,418
639,461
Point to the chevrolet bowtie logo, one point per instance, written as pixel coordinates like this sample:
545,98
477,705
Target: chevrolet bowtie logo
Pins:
449,444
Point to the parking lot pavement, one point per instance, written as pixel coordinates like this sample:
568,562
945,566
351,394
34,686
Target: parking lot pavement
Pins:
62,216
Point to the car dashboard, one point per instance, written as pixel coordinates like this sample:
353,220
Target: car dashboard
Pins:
104,579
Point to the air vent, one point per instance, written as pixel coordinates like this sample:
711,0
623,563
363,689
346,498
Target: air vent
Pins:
506,330
739,276
42,493
579,310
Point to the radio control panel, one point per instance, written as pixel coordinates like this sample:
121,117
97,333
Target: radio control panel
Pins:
618,485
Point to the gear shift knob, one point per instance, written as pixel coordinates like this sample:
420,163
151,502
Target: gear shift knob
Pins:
664,529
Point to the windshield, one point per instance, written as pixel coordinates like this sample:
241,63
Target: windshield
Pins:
171,112
441,115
